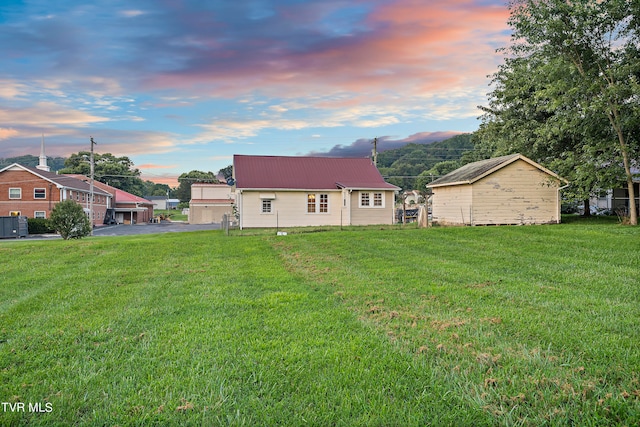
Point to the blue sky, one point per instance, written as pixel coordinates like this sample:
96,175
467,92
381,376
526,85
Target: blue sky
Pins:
178,85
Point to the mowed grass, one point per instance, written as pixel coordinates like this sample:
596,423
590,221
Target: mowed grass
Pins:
474,326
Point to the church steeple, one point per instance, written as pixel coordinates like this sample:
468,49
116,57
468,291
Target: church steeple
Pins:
43,158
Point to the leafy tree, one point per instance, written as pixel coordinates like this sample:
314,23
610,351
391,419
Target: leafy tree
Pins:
183,192
54,163
567,94
154,189
119,172
69,220
226,171
401,166
440,169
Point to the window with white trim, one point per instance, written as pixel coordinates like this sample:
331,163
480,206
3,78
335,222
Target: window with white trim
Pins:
324,203
364,199
317,203
371,199
15,193
311,203
39,193
266,206
40,214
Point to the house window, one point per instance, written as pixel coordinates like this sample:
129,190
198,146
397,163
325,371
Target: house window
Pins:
39,193
372,200
324,203
266,206
317,203
15,193
39,214
311,203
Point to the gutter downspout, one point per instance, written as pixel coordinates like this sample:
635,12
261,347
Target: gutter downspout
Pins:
239,208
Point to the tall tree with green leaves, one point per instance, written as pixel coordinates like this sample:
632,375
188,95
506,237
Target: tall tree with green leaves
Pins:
118,172
227,171
568,91
183,192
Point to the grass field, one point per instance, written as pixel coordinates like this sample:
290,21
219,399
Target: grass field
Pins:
172,214
535,325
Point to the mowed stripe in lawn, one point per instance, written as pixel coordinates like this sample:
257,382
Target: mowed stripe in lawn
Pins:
532,324
197,328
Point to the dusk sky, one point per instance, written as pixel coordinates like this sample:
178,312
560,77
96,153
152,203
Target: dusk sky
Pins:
178,85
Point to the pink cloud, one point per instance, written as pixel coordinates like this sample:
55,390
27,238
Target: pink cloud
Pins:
8,133
408,45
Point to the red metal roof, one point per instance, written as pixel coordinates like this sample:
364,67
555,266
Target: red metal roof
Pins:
120,196
306,173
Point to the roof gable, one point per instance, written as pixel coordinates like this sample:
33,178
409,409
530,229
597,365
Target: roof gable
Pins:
120,196
61,181
306,173
472,172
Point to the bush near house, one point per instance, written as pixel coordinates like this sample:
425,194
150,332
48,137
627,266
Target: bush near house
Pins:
69,220
39,226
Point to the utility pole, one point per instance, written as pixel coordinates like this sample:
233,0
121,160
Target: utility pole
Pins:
91,186
374,152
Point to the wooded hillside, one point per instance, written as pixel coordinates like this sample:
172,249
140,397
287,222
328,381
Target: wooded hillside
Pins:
55,163
402,166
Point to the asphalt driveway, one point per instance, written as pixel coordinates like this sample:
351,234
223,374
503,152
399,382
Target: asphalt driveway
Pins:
161,227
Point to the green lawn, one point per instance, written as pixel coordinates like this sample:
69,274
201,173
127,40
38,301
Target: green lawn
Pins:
533,325
172,214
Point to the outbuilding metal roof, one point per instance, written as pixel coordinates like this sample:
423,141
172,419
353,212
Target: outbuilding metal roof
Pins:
472,172
307,173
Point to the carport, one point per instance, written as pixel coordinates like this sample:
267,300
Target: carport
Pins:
131,215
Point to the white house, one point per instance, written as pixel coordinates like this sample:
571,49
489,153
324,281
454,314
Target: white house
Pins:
278,191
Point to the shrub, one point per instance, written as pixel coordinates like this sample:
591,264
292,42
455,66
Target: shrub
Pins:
39,226
68,219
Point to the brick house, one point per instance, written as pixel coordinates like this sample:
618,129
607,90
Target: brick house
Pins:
33,192
125,208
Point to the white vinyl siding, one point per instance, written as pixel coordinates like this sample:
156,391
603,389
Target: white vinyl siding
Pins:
371,199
